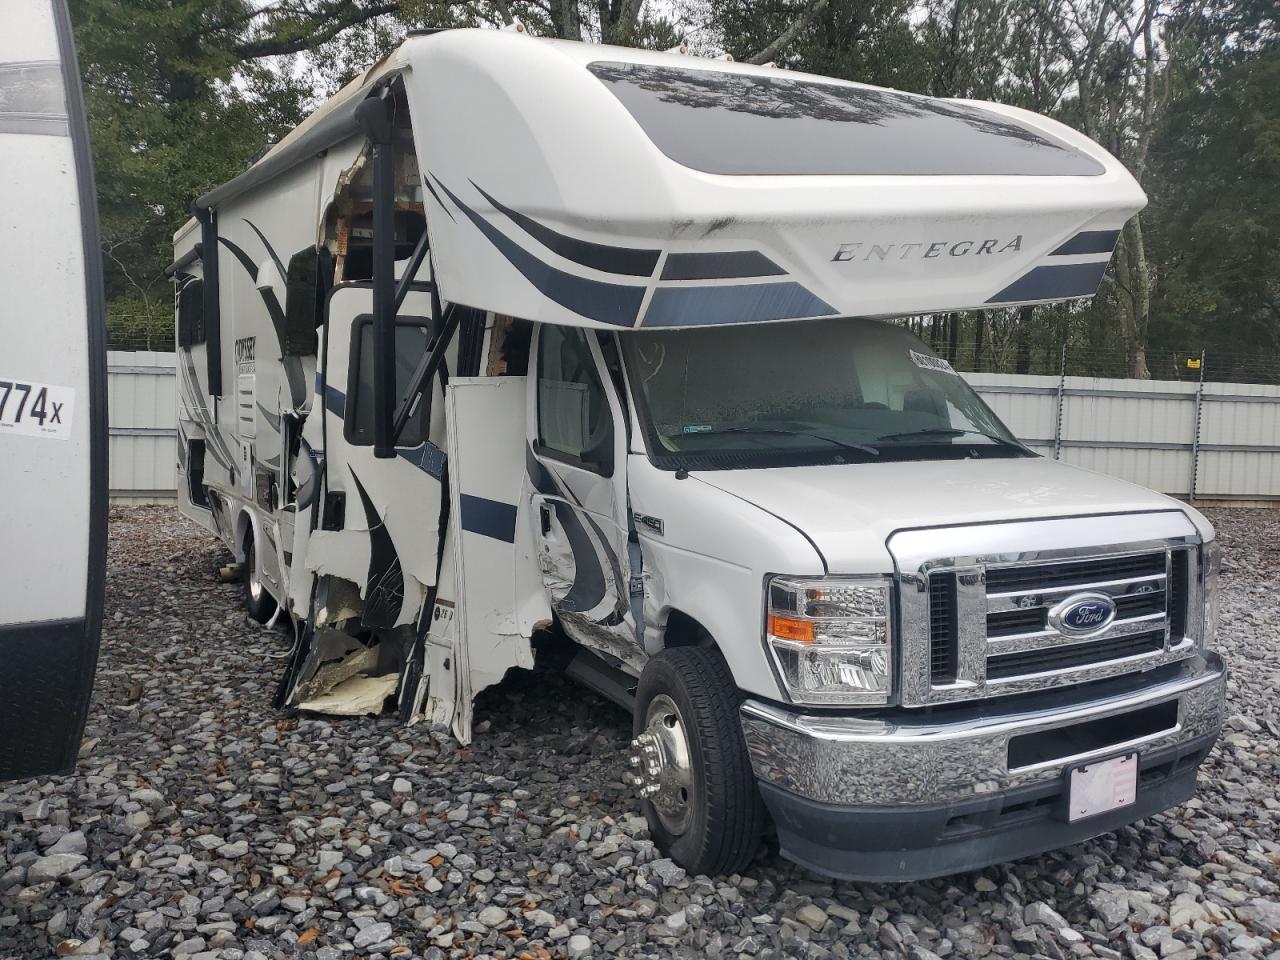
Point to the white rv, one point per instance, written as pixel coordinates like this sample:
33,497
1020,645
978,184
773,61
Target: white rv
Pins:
53,436
515,333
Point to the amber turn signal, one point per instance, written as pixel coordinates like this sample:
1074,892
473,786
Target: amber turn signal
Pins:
789,628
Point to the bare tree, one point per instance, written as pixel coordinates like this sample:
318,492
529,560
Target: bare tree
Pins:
1112,54
771,50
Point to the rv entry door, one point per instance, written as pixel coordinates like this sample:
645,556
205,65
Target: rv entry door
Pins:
577,466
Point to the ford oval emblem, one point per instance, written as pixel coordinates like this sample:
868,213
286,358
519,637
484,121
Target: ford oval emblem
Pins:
1083,613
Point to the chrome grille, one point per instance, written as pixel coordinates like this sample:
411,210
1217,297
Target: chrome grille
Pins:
942,627
975,623
1073,574
1009,665
1020,640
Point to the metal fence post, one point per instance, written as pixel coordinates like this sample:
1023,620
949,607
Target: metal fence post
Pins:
1195,438
1062,385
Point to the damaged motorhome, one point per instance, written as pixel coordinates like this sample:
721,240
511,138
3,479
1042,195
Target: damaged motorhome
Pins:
515,333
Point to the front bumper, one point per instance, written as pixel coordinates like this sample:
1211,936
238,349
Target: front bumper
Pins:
914,794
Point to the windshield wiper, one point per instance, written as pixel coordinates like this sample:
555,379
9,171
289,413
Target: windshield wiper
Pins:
948,432
779,431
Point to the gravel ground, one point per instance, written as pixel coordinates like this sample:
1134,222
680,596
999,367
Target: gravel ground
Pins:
203,824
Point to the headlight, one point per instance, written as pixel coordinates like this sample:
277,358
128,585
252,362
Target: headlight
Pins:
831,638
1210,565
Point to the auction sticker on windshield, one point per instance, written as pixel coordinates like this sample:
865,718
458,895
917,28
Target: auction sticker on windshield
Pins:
1103,786
936,364
35,409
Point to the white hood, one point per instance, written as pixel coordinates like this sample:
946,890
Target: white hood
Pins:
849,511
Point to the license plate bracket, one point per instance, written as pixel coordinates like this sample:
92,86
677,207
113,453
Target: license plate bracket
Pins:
1102,786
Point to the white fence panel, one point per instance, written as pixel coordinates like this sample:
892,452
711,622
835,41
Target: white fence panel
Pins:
1146,431
142,425
1027,405
1138,430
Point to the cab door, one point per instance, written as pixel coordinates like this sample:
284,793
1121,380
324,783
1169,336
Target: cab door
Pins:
577,469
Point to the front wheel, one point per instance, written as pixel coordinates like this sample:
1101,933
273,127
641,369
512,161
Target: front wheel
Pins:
691,763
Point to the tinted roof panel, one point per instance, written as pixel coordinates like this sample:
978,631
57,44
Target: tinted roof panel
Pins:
734,123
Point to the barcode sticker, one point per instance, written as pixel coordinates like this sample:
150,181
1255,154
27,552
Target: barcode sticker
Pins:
936,364
35,409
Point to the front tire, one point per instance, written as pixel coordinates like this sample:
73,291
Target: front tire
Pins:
258,603
699,792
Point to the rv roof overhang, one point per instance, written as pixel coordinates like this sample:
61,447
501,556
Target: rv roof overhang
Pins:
599,186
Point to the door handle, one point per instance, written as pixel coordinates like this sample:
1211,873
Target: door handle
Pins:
544,518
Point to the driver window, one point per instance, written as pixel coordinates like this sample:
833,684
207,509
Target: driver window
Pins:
573,413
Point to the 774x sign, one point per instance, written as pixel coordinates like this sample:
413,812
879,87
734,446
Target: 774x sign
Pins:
35,409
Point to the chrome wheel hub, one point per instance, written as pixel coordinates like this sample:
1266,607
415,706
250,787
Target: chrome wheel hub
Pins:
662,765
251,574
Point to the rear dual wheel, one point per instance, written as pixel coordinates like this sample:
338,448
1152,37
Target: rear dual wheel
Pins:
258,603
691,763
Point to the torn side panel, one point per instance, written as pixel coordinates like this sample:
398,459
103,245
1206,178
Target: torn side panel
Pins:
436,698
370,556
391,506
486,429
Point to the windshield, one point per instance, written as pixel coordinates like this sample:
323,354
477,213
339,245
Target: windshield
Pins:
819,391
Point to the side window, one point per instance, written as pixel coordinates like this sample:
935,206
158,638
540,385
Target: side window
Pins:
309,278
574,423
412,339
191,313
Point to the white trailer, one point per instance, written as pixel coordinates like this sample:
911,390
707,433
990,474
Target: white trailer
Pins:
53,442
516,333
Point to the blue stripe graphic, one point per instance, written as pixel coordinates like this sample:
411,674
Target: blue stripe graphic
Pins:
719,266
1054,283
739,303
1090,241
335,401
489,518
630,261
427,457
610,303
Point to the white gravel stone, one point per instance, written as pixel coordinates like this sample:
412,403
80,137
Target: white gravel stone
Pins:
373,933
812,916
53,866
73,842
